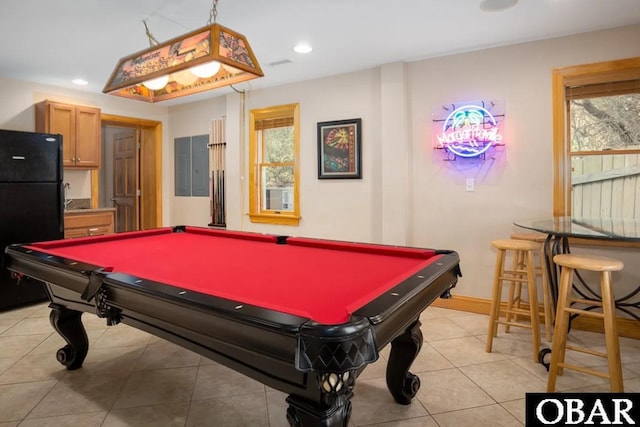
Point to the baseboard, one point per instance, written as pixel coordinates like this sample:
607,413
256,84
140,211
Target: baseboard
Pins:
626,327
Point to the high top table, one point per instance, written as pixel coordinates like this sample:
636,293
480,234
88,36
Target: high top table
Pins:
560,229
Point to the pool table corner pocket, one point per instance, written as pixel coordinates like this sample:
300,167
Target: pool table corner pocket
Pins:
340,348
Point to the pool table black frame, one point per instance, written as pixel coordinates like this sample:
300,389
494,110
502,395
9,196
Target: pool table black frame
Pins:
315,364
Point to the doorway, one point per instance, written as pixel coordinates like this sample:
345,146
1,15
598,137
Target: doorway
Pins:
130,178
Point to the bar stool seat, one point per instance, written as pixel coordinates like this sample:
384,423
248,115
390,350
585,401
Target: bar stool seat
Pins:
521,273
539,268
566,307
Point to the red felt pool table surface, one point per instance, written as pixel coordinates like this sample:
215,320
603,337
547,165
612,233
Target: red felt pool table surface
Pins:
321,280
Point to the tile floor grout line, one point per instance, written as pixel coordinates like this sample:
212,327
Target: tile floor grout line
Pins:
39,401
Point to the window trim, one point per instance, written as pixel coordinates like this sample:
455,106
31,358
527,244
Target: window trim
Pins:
283,217
562,78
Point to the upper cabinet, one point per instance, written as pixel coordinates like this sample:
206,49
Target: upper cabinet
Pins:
80,130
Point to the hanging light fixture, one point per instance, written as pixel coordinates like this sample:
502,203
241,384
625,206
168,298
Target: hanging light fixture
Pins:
208,58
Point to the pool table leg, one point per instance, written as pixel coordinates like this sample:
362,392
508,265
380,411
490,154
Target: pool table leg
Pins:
402,384
68,324
302,412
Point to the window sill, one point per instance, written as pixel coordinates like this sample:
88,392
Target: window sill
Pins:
278,219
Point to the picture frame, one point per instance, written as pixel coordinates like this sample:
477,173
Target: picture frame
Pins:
340,149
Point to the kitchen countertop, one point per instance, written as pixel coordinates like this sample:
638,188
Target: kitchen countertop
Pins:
88,210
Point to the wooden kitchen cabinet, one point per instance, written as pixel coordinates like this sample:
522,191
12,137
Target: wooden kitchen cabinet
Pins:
80,130
84,222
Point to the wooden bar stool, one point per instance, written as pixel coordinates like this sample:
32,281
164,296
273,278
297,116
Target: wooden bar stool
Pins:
539,267
519,274
605,266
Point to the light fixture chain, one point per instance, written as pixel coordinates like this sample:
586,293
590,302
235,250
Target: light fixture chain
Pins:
213,13
152,40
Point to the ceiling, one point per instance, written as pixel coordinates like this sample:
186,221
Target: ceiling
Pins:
53,42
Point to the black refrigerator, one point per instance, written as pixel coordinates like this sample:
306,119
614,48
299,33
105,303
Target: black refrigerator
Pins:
31,204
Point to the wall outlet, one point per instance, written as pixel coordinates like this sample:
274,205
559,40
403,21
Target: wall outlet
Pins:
470,185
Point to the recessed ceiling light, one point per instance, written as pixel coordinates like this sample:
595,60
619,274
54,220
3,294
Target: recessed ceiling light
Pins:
80,82
497,5
302,47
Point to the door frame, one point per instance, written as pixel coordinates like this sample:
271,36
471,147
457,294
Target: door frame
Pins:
150,168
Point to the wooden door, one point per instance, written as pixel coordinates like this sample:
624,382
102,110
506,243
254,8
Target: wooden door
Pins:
62,120
150,166
126,196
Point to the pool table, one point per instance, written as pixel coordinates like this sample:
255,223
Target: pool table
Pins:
301,315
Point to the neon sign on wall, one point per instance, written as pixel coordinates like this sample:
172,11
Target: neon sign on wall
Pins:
469,131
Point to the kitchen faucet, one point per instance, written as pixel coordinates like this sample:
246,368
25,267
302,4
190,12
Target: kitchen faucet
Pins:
67,201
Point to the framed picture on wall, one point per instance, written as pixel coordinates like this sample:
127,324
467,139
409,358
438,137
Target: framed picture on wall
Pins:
339,149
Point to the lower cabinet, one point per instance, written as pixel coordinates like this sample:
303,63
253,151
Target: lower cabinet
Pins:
83,224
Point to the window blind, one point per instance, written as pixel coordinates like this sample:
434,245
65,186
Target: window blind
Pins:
279,122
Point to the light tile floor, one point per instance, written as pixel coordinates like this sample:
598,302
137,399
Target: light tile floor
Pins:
131,378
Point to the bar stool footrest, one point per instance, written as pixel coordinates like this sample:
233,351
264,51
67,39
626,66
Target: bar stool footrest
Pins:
517,311
519,325
585,312
586,351
583,370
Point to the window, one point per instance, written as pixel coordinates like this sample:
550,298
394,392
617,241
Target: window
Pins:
274,173
596,133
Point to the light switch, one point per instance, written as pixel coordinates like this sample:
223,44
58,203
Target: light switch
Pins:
470,185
